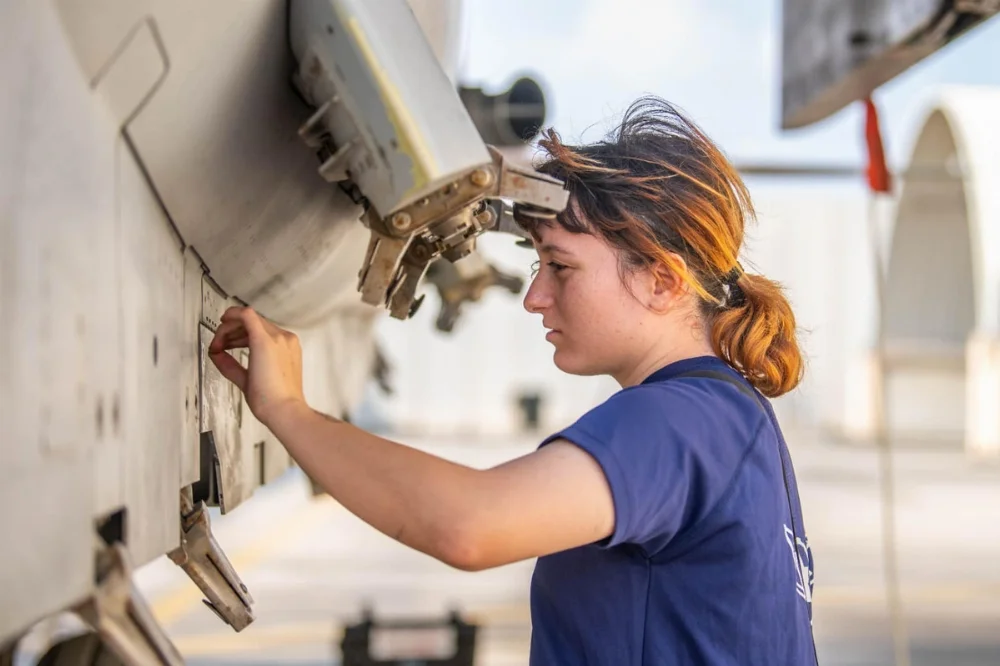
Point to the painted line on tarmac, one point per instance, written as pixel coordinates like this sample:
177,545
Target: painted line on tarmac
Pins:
308,633
173,606
929,593
255,639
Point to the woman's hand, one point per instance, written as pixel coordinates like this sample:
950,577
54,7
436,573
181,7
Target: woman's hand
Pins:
273,379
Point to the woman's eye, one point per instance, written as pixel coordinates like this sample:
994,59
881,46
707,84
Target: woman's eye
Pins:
555,266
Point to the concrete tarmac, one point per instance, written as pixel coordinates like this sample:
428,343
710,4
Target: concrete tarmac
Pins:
312,567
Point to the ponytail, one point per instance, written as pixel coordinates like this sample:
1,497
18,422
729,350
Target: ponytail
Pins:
755,335
659,191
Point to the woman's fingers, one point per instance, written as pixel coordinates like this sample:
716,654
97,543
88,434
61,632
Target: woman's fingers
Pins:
232,313
230,369
244,325
274,374
227,335
231,334
252,321
238,342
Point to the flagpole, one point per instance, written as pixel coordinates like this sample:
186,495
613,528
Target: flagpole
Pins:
880,187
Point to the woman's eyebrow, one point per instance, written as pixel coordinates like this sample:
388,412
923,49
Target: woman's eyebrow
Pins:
552,247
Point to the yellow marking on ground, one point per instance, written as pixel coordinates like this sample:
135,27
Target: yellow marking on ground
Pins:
326,632
933,593
262,637
176,604
254,639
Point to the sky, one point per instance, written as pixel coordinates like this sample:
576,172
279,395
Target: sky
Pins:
719,61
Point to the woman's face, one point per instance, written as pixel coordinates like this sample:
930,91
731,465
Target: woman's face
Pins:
595,323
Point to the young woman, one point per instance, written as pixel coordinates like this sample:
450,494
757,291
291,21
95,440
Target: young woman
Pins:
666,520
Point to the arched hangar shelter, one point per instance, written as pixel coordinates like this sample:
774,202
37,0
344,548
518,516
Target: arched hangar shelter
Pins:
942,312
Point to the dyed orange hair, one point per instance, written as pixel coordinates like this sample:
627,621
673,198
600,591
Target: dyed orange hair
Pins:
659,191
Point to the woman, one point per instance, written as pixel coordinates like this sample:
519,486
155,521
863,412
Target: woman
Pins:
666,520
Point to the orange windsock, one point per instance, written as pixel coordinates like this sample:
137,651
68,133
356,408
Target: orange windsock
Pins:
879,179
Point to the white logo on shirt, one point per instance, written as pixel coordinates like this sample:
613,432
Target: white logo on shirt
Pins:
802,561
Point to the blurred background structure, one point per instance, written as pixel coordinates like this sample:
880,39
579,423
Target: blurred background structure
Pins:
727,65
906,572
723,65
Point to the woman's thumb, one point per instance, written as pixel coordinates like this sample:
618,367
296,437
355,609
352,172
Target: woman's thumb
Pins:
230,369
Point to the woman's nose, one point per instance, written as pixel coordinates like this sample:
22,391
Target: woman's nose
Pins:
537,298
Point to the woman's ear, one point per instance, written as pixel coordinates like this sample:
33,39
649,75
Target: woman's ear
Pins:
664,286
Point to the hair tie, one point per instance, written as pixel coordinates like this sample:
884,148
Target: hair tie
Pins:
732,277
735,296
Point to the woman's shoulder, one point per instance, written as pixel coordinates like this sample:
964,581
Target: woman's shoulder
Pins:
683,409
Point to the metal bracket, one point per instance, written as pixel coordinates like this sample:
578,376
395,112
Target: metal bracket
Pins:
120,615
446,224
8,653
979,7
465,281
528,187
335,159
203,560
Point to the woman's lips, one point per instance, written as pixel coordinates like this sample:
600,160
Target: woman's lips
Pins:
550,334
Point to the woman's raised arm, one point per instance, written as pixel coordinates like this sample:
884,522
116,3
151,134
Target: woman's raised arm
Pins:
550,500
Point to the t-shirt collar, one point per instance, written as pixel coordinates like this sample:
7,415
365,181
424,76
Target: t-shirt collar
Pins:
685,365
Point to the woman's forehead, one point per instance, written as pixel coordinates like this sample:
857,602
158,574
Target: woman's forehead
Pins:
553,238
551,233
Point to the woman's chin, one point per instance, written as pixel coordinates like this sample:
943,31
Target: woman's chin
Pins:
570,364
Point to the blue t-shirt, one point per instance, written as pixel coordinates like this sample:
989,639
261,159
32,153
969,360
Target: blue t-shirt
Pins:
706,564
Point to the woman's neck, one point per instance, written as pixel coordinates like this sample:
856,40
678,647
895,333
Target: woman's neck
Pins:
669,349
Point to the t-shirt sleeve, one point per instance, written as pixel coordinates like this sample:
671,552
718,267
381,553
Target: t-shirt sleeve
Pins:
648,462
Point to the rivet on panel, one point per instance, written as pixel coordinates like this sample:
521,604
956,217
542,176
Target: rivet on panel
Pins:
99,417
401,221
480,178
116,413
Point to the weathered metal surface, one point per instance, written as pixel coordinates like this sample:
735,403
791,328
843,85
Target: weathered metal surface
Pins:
264,458
201,558
413,131
143,146
190,363
149,413
390,124
242,453
121,616
56,307
383,262
219,140
446,223
838,51
528,187
221,411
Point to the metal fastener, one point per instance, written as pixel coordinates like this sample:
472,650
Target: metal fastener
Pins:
480,178
401,221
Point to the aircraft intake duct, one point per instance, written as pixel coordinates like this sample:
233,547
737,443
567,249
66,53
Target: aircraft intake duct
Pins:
510,118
